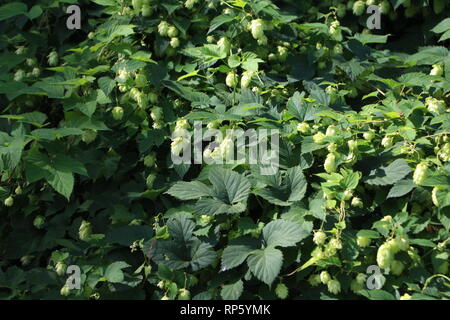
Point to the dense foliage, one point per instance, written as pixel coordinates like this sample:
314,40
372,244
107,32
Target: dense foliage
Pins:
86,138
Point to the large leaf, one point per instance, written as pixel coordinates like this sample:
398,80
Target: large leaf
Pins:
282,233
189,190
394,172
265,264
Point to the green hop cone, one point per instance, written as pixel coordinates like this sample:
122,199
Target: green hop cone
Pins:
385,256
150,180
85,230
18,190
257,28
363,242
65,291
246,79
330,163
231,80
172,32
39,222
314,280
147,10
137,5
420,173
149,160
437,70
52,59
359,8
282,291
334,286
357,202
60,268
224,44
303,128
325,277
369,135
157,114
163,28
385,7
117,113
184,294
9,201
319,237
174,42
89,136
319,137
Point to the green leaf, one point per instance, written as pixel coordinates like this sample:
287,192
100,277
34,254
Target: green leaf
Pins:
442,26
265,264
394,172
61,181
229,186
218,21
376,294
236,253
401,188
114,273
282,233
292,189
12,9
232,291
189,190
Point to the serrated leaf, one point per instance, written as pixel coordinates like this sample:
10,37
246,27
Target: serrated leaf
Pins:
114,273
401,188
282,233
189,190
232,291
394,172
265,264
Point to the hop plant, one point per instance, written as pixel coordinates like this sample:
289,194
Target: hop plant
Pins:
435,106
314,280
150,180
325,277
363,242
157,114
282,291
334,286
385,256
257,28
117,113
225,44
147,10
319,137
385,7
39,222
231,80
9,201
89,136
65,290
52,59
184,294
18,190
357,202
85,230
149,160
137,5
319,237
330,163
163,28
303,127
172,32
19,75
387,141
246,79
420,173
60,268
359,7
369,135
437,70
174,42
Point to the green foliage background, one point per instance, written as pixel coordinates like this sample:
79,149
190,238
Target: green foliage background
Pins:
85,141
